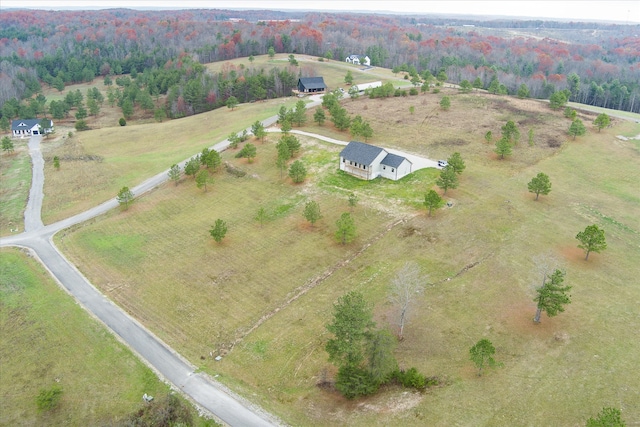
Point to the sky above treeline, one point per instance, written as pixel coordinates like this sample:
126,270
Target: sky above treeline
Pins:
620,11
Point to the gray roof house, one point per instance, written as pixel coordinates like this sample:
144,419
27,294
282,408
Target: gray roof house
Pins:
311,85
367,161
26,127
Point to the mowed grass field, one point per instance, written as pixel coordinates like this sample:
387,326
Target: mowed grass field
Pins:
479,258
333,72
220,290
96,164
49,340
15,181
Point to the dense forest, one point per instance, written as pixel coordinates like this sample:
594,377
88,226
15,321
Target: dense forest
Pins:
597,64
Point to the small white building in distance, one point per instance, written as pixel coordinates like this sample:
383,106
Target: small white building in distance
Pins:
353,59
357,60
361,87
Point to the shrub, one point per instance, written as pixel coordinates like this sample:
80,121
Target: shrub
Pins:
414,379
49,399
413,91
122,121
81,125
169,411
354,381
411,378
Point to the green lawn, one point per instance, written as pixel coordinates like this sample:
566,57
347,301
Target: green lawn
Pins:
46,340
332,71
557,373
478,256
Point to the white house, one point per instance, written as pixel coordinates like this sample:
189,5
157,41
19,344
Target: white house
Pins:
353,59
367,161
26,127
357,60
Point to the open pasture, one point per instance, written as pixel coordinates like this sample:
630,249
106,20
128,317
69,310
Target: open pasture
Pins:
47,340
206,295
481,258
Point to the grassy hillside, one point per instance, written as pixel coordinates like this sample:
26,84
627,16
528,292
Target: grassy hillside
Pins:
95,164
333,72
261,298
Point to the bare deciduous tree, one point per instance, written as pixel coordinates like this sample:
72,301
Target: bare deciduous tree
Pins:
545,264
407,284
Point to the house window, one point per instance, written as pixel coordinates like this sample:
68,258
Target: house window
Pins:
364,166
344,160
350,162
393,170
384,168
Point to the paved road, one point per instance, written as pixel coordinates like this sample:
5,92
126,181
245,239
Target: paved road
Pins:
166,362
32,218
207,393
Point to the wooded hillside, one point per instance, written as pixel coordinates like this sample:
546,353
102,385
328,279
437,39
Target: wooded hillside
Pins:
598,63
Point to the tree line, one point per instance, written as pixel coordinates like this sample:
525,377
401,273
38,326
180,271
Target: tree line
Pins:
69,47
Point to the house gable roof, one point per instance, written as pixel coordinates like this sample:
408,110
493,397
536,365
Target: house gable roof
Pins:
360,152
312,82
393,160
24,124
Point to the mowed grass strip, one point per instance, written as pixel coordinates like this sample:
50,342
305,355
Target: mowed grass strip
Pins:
96,164
559,372
46,340
15,181
159,262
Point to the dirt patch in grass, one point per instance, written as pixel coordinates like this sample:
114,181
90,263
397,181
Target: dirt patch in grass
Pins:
576,256
518,317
